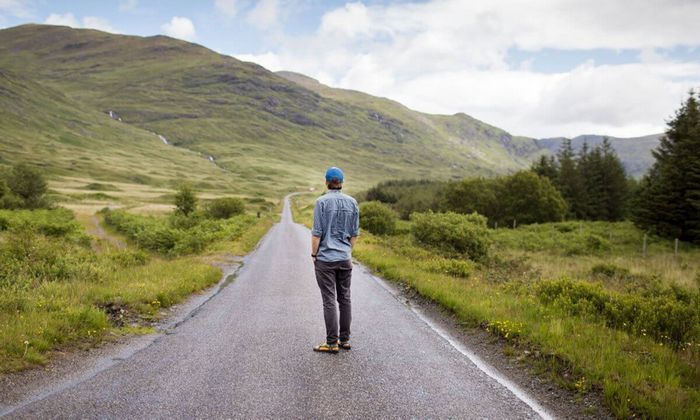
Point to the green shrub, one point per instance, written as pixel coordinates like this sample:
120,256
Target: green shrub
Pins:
669,315
224,208
453,233
450,266
96,186
27,184
177,234
57,223
587,243
523,196
178,220
28,259
597,243
377,218
185,199
128,257
610,271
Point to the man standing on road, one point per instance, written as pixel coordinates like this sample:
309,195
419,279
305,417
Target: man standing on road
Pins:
336,226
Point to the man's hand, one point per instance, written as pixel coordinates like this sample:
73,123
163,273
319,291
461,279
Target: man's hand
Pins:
352,241
315,243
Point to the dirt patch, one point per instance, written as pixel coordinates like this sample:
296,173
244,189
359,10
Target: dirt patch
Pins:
96,230
120,316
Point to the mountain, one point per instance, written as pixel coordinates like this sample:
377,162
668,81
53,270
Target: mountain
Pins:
488,144
93,106
78,144
265,131
634,152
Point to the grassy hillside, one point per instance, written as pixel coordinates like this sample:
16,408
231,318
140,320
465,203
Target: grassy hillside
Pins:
635,152
89,156
266,130
486,144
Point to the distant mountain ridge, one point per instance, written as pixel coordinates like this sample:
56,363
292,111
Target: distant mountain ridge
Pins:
267,130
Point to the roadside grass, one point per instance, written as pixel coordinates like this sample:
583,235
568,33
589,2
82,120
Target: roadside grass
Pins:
637,374
176,235
58,292
592,314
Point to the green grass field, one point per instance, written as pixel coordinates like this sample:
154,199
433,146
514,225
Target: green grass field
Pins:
60,287
578,301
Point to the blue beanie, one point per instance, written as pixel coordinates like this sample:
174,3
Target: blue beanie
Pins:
334,173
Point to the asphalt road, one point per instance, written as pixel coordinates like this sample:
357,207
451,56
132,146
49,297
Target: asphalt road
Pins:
247,353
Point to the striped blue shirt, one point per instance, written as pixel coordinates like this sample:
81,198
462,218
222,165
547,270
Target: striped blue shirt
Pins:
336,220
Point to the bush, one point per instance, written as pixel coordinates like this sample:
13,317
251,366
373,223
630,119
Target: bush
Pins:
453,233
377,218
668,315
56,223
128,257
185,199
610,271
450,266
28,259
406,196
178,234
529,198
588,243
224,208
28,185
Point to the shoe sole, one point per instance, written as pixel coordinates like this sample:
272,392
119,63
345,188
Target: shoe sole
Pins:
327,351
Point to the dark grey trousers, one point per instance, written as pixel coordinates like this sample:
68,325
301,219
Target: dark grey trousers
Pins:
334,281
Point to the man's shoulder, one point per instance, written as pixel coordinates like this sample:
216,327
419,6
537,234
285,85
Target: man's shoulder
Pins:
349,198
341,195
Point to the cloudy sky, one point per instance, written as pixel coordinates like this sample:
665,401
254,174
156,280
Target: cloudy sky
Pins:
539,68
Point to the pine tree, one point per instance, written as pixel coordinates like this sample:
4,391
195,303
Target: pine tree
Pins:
589,169
669,198
546,167
569,181
614,184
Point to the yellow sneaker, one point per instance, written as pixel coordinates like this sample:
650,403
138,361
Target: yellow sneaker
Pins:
327,348
344,345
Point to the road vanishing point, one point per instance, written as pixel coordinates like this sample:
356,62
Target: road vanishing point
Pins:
247,353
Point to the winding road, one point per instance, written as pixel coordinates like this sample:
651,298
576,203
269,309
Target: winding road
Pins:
246,353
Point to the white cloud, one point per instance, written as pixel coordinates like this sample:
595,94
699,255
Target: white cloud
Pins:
128,5
66,19
16,8
448,56
264,15
227,7
69,19
180,27
350,21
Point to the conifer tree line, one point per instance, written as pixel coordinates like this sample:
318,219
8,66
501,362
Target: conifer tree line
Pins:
592,182
668,202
